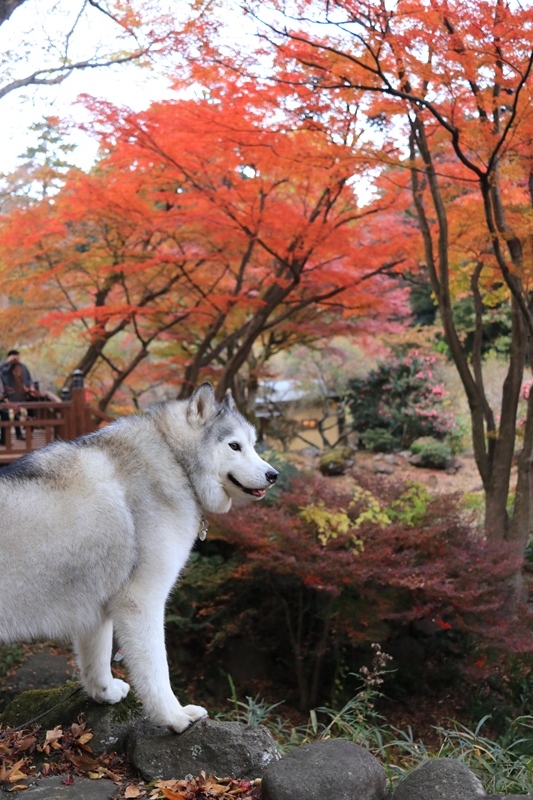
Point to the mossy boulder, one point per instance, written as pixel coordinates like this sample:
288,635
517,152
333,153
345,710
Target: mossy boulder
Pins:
336,461
42,670
110,724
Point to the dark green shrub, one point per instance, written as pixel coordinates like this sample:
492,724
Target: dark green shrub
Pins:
403,398
432,453
379,440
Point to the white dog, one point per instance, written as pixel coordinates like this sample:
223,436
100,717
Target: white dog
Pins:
95,532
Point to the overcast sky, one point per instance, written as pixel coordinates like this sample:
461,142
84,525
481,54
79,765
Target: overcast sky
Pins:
124,85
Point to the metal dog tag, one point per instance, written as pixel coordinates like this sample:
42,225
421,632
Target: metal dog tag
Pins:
202,533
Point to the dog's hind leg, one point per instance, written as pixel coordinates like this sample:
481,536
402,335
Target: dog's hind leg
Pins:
93,653
139,627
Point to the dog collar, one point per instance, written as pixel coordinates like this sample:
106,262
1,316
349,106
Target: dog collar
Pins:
202,532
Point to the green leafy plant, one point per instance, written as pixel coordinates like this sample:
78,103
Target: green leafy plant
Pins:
501,764
379,440
254,711
432,452
10,656
412,506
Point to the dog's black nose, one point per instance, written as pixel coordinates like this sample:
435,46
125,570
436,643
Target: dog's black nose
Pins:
272,476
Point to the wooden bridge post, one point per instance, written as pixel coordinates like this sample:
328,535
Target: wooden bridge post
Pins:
78,405
67,429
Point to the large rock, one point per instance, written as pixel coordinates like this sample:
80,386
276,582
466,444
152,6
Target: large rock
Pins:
54,788
335,769
226,749
440,779
110,724
337,461
40,671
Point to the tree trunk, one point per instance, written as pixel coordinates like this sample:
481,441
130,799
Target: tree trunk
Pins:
493,445
7,7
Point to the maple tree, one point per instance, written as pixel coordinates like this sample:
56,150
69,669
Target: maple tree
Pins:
445,92
221,236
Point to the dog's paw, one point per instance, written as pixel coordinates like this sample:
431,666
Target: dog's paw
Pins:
115,691
185,717
195,712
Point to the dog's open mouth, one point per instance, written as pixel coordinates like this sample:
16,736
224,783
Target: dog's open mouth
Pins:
259,493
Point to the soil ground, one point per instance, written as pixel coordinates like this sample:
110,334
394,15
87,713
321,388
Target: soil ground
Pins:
465,480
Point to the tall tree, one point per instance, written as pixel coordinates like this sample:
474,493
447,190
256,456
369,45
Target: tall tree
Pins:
286,196
208,229
446,88
42,168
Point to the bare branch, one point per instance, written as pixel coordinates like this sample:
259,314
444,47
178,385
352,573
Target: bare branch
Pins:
55,75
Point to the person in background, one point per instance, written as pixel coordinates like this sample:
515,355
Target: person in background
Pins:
4,413
18,385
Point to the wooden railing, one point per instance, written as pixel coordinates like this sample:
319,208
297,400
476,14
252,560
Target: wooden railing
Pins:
49,421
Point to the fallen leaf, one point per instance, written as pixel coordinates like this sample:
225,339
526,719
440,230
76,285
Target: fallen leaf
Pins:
25,743
215,788
12,772
83,762
133,791
16,775
53,735
168,794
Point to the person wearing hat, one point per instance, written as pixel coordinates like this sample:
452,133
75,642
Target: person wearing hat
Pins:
17,384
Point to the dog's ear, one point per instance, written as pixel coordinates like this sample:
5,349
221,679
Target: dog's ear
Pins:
228,402
202,404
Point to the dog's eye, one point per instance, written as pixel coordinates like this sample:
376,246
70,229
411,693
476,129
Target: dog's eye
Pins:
235,446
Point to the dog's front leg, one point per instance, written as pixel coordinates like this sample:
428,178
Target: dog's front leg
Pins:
93,653
139,627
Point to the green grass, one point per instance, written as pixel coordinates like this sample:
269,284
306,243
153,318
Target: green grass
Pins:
10,656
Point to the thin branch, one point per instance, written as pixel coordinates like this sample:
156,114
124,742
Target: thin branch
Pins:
56,75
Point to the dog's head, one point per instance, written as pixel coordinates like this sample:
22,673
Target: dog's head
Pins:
229,442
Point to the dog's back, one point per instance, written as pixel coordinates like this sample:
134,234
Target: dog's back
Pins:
67,541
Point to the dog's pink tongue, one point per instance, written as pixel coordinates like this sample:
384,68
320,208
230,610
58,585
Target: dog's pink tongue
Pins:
259,492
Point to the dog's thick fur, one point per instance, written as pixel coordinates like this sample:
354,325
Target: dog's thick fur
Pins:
94,533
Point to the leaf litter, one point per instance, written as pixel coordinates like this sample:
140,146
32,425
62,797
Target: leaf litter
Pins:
32,753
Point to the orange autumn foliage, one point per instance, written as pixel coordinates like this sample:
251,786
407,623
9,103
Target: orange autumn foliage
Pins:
205,228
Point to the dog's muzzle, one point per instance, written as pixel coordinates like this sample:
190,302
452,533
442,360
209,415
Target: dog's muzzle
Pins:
271,477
